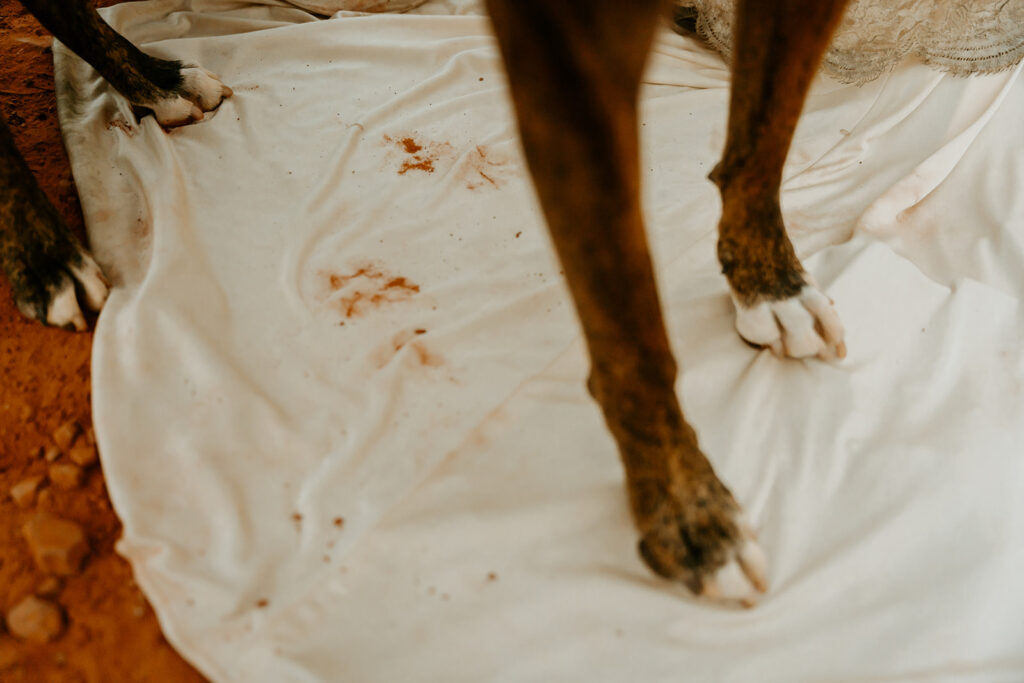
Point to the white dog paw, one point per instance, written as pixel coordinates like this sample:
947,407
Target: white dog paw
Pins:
801,326
200,91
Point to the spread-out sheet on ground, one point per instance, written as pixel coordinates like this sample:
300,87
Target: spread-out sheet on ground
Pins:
339,387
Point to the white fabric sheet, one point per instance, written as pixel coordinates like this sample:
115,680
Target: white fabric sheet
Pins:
306,500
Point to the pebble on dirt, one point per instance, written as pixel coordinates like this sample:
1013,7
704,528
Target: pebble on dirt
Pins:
49,588
65,435
83,454
35,619
57,545
65,475
24,492
51,454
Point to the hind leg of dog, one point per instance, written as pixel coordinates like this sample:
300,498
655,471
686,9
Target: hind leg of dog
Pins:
574,70
177,94
778,46
49,271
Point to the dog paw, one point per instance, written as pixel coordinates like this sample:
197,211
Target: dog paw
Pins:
200,91
55,293
709,547
800,326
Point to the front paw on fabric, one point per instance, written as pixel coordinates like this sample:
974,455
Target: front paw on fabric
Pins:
200,91
706,544
799,326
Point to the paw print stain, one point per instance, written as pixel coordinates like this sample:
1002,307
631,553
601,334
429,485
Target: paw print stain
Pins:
366,288
485,168
419,155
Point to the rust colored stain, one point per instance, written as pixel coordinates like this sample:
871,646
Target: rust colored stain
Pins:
485,168
121,125
419,155
426,357
339,281
402,283
417,165
366,288
410,145
423,355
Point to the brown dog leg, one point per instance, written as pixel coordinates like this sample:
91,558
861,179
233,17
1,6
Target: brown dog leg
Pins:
779,44
574,69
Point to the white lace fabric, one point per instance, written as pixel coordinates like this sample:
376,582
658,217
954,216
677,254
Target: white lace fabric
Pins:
959,36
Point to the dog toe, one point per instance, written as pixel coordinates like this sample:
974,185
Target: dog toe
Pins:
802,326
63,310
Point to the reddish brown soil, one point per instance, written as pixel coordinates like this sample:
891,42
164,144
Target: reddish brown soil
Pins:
112,635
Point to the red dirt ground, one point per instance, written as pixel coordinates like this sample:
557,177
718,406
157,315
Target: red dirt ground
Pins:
112,635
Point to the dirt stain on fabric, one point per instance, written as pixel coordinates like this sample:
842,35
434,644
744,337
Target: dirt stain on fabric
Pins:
486,169
423,355
419,154
120,124
366,288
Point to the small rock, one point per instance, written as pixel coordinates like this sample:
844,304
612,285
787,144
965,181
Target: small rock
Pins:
90,436
65,435
34,619
24,492
66,475
49,588
44,501
51,454
58,546
83,454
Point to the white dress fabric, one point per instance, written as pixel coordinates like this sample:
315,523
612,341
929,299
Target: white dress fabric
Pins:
339,386
960,36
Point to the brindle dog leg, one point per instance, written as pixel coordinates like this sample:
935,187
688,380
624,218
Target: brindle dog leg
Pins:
175,93
41,257
574,67
779,44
